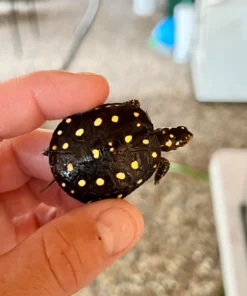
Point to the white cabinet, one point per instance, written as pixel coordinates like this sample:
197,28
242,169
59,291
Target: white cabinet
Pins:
219,54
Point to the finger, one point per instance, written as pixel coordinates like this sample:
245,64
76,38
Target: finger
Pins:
22,158
53,196
29,100
71,250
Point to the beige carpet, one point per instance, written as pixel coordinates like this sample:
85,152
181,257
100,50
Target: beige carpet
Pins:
178,253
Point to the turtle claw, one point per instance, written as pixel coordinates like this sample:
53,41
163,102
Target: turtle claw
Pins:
46,152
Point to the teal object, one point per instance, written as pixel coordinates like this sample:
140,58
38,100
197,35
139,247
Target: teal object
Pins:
172,3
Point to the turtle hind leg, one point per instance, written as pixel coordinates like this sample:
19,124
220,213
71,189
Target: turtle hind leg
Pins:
173,138
162,169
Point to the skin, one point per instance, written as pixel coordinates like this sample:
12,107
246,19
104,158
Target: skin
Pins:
51,244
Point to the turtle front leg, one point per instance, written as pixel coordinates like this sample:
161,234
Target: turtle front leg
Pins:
162,169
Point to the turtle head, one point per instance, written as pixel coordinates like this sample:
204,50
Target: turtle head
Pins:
172,138
183,135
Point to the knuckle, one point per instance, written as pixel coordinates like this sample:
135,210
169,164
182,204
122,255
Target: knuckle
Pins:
62,260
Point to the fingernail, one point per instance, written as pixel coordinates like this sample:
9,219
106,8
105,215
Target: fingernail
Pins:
116,229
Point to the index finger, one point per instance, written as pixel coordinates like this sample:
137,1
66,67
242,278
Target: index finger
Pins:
29,100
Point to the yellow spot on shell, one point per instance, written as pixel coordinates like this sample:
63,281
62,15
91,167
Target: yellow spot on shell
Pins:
95,153
63,185
70,167
68,120
155,166
128,138
177,143
182,127
169,143
108,106
139,181
65,146
59,132
79,132
145,141
82,183
54,147
120,196
72,191
100,182
154,154
138,124
112,149
163,132
110,143
136,114
114,118
121,176
98,122
171,136
134,165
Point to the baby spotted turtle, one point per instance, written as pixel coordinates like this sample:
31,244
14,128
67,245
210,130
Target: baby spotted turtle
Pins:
110,151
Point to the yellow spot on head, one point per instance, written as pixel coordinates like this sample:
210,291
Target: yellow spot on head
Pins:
82,183
97,108
68,120
70,167
120,176
120,196
128,138
59,132
155,166
169,143
139,181
95,153
65,146
63,184
54,147
79,132
111,149
154,154
98,122
100,182
171,136
177,143
136,114
138,124
163,132
114,118
134,165
72,191
182,127
108,106
145,141
110,143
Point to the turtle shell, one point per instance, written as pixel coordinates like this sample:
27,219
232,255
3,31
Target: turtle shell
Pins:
104,153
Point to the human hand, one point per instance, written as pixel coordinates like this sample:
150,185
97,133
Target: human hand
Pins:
51,244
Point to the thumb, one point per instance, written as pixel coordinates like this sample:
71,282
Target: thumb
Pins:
66,254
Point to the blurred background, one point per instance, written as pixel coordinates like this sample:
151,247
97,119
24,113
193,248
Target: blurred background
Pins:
187,65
